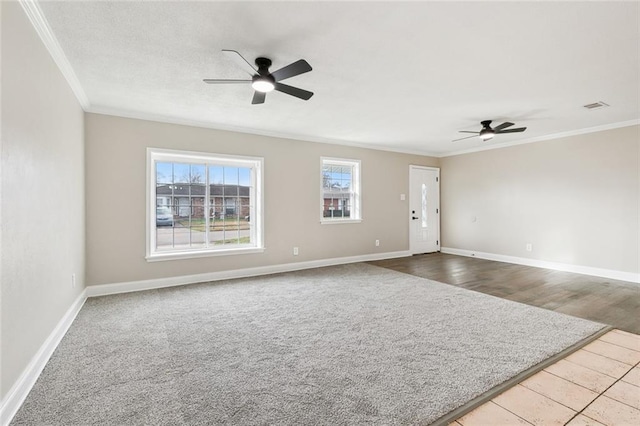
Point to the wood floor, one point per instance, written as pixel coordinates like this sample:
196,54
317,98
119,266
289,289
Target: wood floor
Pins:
612,302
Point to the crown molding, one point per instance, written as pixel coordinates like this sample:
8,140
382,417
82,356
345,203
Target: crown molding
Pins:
547,137
116,112
39,22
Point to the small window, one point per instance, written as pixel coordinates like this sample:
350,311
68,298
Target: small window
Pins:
203,204
340,191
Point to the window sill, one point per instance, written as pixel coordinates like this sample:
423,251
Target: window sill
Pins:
159,257
339,221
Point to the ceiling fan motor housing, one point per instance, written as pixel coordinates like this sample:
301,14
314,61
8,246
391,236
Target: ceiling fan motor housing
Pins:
263,81
487,132
266,78
263,65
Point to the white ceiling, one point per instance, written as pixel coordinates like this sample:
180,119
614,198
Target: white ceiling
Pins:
389,75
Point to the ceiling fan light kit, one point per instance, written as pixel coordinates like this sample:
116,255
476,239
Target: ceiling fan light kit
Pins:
263,81
262,84
487,133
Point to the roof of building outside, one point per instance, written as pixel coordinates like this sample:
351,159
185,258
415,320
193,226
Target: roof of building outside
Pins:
199,190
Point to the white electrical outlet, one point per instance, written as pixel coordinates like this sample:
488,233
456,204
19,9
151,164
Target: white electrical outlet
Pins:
295,251
73,280
529,247
402,197
377,243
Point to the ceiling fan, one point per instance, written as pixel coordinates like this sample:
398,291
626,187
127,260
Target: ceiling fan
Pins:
487,132
264,81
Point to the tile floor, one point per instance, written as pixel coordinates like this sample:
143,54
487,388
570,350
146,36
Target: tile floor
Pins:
597,385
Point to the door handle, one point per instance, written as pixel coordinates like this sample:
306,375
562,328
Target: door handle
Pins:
414,218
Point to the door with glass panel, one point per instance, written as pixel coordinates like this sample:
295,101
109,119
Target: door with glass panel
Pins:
424,209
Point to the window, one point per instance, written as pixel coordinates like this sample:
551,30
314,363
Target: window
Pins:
340,191
202,204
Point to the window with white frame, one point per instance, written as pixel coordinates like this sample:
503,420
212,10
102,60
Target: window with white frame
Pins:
202,204
340,190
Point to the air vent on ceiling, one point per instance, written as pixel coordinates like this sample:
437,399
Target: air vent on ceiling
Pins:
596,105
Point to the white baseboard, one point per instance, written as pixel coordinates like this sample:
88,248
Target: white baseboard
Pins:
565,267
126,287
19,391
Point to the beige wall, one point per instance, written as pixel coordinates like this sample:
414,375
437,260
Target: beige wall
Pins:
575,199
116,178
42,195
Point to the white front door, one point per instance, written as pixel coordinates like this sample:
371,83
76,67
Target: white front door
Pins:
424,209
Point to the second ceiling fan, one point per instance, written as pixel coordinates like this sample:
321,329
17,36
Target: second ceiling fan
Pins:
264,81
487,132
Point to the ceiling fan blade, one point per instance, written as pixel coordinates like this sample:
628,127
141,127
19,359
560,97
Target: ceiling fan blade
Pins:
241,61
291,70
258,97
467,131
502,126
216,81
461,139
294,91
518,130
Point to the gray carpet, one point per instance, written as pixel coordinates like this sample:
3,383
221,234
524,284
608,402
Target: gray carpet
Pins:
344,345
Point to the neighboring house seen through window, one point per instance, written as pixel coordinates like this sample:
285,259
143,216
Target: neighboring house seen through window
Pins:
203,204
340,190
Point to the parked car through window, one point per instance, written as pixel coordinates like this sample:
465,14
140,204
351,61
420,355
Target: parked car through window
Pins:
164,217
